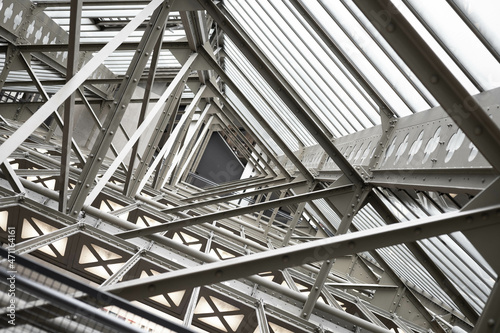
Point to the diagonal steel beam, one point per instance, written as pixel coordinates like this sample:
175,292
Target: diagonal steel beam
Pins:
263,122
117,111
144,107
472,119
236,212
128,146
313,251
177,137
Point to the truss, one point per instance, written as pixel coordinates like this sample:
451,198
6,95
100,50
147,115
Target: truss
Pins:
330,210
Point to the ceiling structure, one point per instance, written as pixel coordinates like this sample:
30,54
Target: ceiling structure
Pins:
250,166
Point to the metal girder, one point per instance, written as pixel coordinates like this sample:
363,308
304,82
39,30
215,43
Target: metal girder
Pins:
427,262
144,107
183,170
488,322
71,68
173,94
185,250
178,136
10,175
471,118
170,147
237,211
35,243
316,288
425,151
94,47
231,113
57,117
318,250
184,154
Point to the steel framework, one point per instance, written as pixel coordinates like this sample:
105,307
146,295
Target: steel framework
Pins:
359,193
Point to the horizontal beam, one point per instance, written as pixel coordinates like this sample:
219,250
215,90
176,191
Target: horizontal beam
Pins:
126,46
314,251
237,211
235,196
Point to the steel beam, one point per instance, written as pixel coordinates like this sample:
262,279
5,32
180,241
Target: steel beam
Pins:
427,262
69,104
435,76
178,136
128,146
145,103
236,212
175,90
10,174
325,249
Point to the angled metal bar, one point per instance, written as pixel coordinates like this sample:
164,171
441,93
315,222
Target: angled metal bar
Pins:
316,289
293,223
270,221
193,150
313,251
117,111
236,211
10,174
128,146
167,116
264,100
225,119
92,47
69,104
281,87
359,285
177,137
243,151
472,119
427,262
233,115
11,54
262,121
488,322
124,269
57,99
185,152
35,243
233,197
85,101
240,185
170,147
261,317
145,103
57,116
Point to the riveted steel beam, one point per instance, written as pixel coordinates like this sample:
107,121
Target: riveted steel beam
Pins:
471,118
